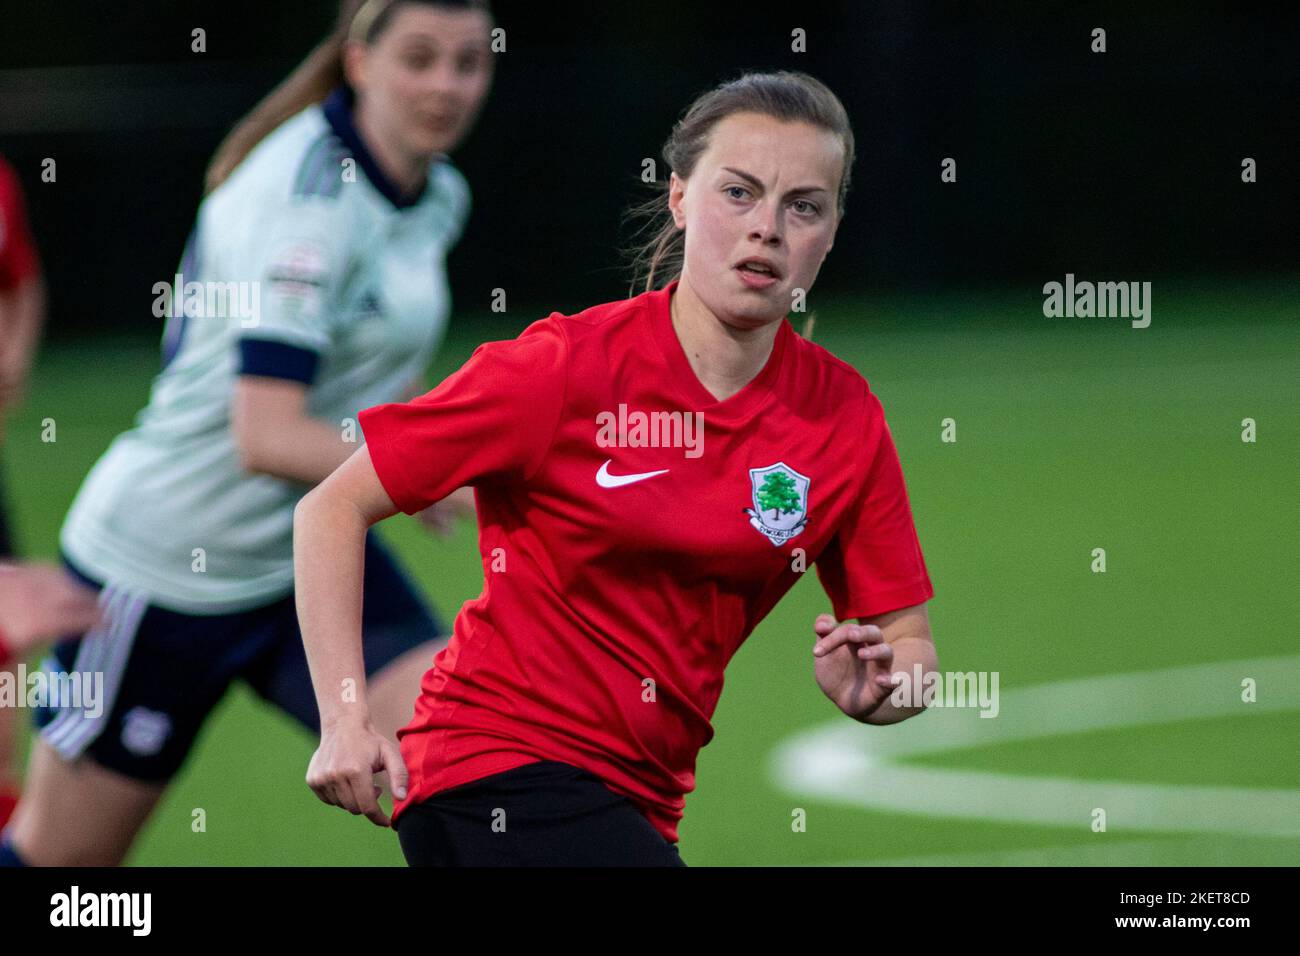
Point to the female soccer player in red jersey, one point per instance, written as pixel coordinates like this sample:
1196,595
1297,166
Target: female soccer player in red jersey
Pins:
625,567
22,313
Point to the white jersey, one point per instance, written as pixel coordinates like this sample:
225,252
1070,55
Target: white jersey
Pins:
306,264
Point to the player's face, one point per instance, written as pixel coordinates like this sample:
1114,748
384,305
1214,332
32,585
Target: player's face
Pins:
762,189
426,76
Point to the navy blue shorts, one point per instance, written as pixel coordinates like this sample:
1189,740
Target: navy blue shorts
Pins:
164,672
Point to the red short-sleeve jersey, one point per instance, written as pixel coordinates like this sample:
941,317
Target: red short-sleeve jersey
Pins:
18,259
633,531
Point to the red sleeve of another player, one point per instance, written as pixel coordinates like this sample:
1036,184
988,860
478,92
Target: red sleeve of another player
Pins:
492,420
874,564
18,259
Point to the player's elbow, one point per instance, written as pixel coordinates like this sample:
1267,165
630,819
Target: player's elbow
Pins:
310,514
262,441
262,449
266,415
302,511
250,445
324,518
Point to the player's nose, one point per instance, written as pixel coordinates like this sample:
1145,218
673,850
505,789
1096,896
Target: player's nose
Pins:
768,225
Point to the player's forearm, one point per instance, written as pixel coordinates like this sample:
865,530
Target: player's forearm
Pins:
22,314
329,568
305,450
908,652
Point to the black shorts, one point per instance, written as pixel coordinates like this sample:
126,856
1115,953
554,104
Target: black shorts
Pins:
541,814
160,673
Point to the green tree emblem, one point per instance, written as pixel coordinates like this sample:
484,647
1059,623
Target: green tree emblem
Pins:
778,494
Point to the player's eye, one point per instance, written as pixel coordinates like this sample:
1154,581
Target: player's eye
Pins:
418,60
805,207
732,190
469,64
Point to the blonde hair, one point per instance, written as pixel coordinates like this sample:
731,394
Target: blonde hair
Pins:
786,95
313,79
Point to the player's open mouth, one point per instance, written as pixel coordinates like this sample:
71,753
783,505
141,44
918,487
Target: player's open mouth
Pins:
757,273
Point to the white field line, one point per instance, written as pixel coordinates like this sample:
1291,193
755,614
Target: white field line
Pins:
847,762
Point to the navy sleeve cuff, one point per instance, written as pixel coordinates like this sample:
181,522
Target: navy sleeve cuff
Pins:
277,360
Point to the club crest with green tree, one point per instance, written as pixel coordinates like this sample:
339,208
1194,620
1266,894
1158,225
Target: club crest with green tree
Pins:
780,502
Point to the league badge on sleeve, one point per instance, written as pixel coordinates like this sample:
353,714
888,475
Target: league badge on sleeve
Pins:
780,502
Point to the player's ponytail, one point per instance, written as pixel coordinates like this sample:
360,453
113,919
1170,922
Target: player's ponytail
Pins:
313,79
787,95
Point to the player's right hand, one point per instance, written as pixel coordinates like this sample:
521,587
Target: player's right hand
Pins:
40,603
342,769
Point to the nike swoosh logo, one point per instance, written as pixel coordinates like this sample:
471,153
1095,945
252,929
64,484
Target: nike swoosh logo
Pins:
606,480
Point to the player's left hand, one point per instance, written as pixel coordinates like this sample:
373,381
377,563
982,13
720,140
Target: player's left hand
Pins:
852,663
40,603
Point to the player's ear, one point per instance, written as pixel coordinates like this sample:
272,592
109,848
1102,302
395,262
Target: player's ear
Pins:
676,193
354,64
831,245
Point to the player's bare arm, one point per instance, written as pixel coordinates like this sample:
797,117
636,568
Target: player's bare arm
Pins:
854,663
276,436
329,530
22,313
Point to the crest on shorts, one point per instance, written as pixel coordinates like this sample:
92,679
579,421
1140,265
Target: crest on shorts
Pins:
780,497
144,731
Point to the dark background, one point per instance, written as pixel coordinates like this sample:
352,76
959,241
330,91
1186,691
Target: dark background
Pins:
1122,165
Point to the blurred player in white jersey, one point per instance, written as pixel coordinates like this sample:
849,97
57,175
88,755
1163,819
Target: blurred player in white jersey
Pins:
312,286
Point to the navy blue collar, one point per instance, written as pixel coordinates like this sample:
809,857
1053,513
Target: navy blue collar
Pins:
338,111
